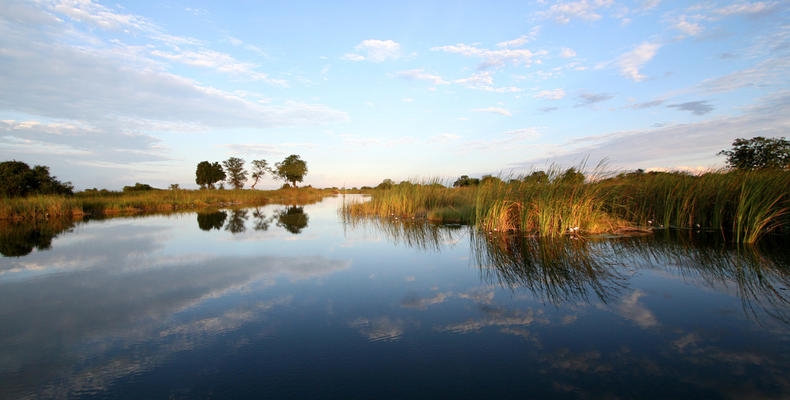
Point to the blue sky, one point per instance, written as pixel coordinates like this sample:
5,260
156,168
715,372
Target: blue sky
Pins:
109,94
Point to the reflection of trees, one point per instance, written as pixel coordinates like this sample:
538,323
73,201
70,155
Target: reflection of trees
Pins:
292,218
211,220
261,222
557,270
236,222
19,239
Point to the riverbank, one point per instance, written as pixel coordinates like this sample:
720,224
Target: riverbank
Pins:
743,205
125,203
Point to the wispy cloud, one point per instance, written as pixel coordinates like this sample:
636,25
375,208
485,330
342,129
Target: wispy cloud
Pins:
375,50
553,94
564,12
521,40
631,62
587,99
495,110
492,58
694,107
421,75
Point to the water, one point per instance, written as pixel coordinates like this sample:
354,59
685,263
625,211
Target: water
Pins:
287,301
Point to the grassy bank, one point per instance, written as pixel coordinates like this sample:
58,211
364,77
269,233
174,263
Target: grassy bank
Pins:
115,203
746,205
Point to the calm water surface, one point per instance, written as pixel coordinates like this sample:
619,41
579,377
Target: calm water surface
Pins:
286,301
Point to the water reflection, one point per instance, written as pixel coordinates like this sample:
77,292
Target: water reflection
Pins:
208,220
19,239
236,223
292,218
155,308
555,270
412,233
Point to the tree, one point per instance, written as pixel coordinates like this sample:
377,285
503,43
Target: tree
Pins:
489,179
292,169
465,180
138,187
18,179
758,153
237,176
571,176
386,184
207,174
537,177
259,168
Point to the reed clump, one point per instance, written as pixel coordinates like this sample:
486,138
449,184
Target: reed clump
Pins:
743,206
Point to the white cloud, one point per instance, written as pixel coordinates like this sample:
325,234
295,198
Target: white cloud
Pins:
221,62
495,110
554,94
375,51
689,28
521,40
421,75
484,81
523,133
567,53
407,100
675,145
743,7
632,61
582,9
492,58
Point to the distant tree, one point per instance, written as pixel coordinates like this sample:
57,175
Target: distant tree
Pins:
237,176
292,169
18,179
175,186
537,177
571,176
138,187
259,168
207,174
465,180
489,179
758,153
386,184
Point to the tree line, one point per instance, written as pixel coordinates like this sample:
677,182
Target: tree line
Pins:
292,169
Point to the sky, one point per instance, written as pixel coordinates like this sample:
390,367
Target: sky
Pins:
112,93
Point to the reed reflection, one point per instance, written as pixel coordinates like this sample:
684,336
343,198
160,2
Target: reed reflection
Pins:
554,270
413,233
760,274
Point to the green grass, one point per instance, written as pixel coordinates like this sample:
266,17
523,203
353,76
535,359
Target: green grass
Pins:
116,203
742,205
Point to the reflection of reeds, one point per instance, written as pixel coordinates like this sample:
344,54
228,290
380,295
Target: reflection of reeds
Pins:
413,233
117,203
556,270
744,205
566,270
760,274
